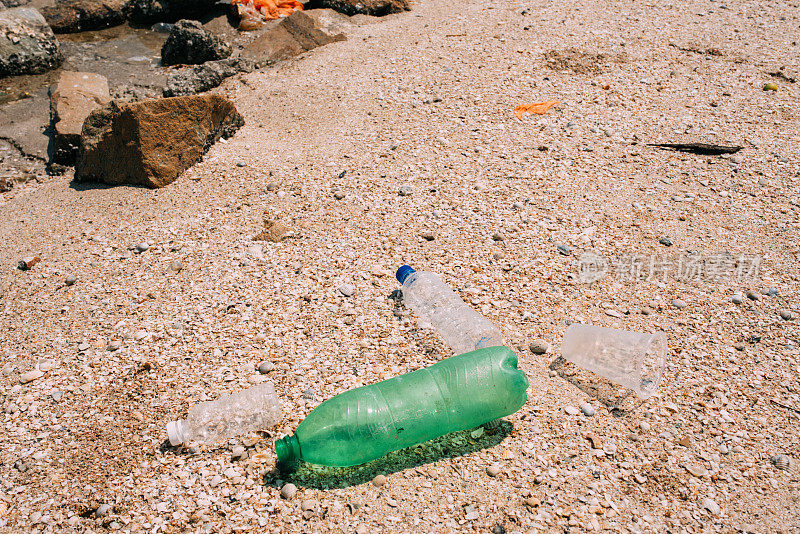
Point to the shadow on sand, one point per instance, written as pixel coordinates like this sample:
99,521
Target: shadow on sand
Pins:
448,446
619,400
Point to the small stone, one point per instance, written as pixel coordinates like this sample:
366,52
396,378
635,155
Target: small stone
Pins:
30,376
770,86
571,410
288,491
265,367
215,481
641,479
696,470
56,395
113,345
497,236
237,453
678,303
752,295
308,504
772,291
472,516
103,510
597,444
405,191
478,432
711,506
517,205
142,247
587,409
241,164
362,529
787,315
737,298
308,394
427,235
379,481
781,461
346,290
493,470
339,194
667,242
564,250
644,426
539,346
70,280
272,186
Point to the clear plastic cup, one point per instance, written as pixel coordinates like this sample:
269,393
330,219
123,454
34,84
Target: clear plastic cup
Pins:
629,359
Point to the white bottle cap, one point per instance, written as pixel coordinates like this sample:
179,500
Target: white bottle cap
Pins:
175,432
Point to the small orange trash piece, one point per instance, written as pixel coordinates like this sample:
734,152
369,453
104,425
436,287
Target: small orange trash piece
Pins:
538,108
251,12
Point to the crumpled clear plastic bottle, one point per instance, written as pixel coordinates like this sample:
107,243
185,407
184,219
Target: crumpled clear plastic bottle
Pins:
462,328
211,423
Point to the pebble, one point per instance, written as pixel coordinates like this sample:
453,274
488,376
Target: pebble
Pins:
427,235
587,409
737,298
308,504
70,280
175,266
103,510
241,164
215,481
30,376
339,195
362,529
405,191
379,481
641,479
711,506
288,491
752,295
517,205
238,452
56,395
571,410
265,367
493,470
539,346
497,236
787,315
272,186
346,290
678,303
772,291
113,345
471,516
696,470
564,250
667,242
770,86
142,247
644,426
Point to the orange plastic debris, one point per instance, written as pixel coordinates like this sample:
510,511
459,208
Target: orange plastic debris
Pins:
539,108
270,9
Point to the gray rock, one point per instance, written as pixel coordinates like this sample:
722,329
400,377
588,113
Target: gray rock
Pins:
405,191
564,250
191,44
772,291
205,77
539,346
678,303
27,44
667,242
288,491
70,280
71,16
265,367
737,298
142,247
752,295
587,409
377,8
427,235
787,315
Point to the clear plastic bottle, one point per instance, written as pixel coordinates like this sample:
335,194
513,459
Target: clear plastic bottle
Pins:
462,328
255,408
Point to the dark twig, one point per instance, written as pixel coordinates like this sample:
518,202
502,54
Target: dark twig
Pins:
699,148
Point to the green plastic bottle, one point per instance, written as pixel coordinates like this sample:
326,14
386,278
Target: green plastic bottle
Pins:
365,423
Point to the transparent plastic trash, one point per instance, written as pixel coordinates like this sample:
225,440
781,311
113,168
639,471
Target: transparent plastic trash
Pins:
629,359
462,328
210,423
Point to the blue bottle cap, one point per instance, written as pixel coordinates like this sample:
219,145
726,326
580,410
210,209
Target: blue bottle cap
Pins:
404,272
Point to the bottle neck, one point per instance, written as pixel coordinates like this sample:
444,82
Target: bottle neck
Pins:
287,450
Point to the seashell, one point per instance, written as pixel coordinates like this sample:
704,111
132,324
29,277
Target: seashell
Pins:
781,461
